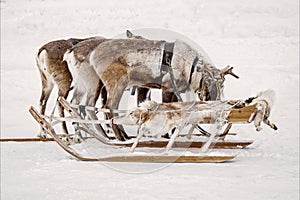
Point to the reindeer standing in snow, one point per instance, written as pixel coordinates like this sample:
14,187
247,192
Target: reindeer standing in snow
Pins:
54,71
173,67
85,77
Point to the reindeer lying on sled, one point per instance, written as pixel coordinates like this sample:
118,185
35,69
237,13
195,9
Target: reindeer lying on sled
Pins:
153,118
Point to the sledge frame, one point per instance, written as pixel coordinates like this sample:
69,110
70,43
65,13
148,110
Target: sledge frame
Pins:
246,111
128,157
233,115
220,144
243,114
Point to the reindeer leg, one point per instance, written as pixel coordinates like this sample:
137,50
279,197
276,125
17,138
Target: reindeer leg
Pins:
46,91
77,95
76,99
112,103
166,96
47,87
225,132
169,97
115,90
142,94
273,126
91,101
103,93
103,99
139,136
174,136
189,135
62,114
63,92
174,98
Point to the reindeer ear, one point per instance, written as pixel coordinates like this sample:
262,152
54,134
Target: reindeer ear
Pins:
129,34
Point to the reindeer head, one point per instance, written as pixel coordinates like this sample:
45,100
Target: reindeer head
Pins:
211,83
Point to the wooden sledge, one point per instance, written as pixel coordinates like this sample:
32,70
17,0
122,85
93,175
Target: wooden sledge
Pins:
220,144
128,157
178,115
244,114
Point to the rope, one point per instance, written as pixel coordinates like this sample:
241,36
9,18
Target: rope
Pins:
97,109
170,70
26,139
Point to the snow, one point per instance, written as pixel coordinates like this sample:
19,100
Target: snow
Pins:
259,38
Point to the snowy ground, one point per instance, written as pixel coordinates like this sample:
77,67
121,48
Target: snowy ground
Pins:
260,38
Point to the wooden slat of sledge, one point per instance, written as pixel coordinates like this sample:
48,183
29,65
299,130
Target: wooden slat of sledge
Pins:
184,144
241,115
167,159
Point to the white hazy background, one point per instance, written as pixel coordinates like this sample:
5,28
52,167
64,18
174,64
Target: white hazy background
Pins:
260,38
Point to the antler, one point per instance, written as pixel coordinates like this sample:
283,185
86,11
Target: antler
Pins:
228,70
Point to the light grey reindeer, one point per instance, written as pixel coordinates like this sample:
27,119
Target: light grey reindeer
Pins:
86,80
150,115
173,67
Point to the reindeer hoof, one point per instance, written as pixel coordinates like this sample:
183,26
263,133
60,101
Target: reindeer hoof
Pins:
42,135
258,128
65,140
76,139
167,136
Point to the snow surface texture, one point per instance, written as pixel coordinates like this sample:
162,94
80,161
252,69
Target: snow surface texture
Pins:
260,38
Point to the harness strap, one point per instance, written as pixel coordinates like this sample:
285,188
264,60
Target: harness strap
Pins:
167,57
166,66
193,68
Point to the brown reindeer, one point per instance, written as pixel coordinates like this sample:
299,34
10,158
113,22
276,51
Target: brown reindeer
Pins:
54,71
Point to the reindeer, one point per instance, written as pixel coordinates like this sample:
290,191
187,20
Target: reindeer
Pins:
54,71
173,67
156,119
85,78
142,93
